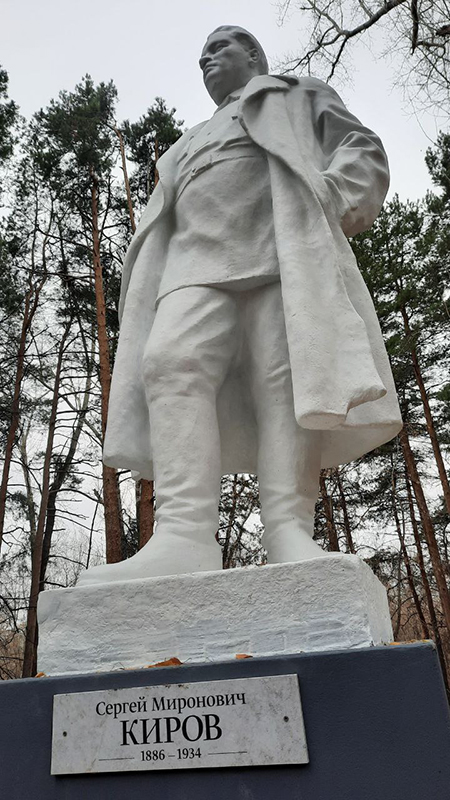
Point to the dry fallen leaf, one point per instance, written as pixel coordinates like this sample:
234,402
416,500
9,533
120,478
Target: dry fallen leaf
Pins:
410,641
170,662
242,655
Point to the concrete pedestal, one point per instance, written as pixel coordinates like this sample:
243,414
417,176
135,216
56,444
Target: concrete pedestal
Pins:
322,604
376,721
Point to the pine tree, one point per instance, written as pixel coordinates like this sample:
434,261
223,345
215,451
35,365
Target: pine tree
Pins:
82,147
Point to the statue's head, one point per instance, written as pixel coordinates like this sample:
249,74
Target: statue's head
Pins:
230,58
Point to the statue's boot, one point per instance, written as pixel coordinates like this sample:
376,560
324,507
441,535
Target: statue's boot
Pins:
186,449
288,484
288,456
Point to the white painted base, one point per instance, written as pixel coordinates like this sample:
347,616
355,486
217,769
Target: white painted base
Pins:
326,603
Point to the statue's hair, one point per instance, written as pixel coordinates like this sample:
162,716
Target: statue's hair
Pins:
248,41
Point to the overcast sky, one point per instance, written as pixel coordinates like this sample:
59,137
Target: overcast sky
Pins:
152,48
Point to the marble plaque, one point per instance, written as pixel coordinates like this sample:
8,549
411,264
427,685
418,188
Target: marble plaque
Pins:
230,723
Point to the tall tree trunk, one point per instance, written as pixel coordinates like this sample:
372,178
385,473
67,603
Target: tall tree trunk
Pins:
415,596
428,415
226,550
396,627
407,563
347,526
31,634
424,577
31,304
144,510
427,525
111,491
59,479
112,510
328,509
31,507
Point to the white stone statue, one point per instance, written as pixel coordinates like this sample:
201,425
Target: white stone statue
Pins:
249,341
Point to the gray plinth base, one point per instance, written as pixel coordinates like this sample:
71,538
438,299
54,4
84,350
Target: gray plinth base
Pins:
322,604
376,721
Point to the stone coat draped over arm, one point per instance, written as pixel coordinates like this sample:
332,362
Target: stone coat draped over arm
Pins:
329,177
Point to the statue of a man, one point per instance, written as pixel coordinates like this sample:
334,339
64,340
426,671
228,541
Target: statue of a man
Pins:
249,342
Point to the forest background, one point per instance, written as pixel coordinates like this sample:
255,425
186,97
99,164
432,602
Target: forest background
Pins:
74,181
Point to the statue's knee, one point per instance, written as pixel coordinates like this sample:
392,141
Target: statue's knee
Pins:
173,369
160,362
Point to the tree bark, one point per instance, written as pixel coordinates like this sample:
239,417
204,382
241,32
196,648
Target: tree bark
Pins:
111,492
427,525
144,510
112,510
347,526
328,509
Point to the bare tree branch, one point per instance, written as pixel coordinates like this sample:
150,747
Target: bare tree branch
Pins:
418,31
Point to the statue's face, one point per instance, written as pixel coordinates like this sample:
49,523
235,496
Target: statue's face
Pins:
226,65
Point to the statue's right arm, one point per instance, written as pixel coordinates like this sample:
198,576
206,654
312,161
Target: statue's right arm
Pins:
356,167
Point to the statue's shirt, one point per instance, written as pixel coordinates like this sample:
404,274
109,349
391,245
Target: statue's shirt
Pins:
223,216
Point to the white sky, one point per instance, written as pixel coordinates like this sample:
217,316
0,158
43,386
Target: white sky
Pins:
152,48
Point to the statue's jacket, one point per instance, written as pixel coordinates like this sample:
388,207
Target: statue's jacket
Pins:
329,176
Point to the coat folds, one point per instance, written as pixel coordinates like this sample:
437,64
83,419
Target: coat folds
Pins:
329,177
